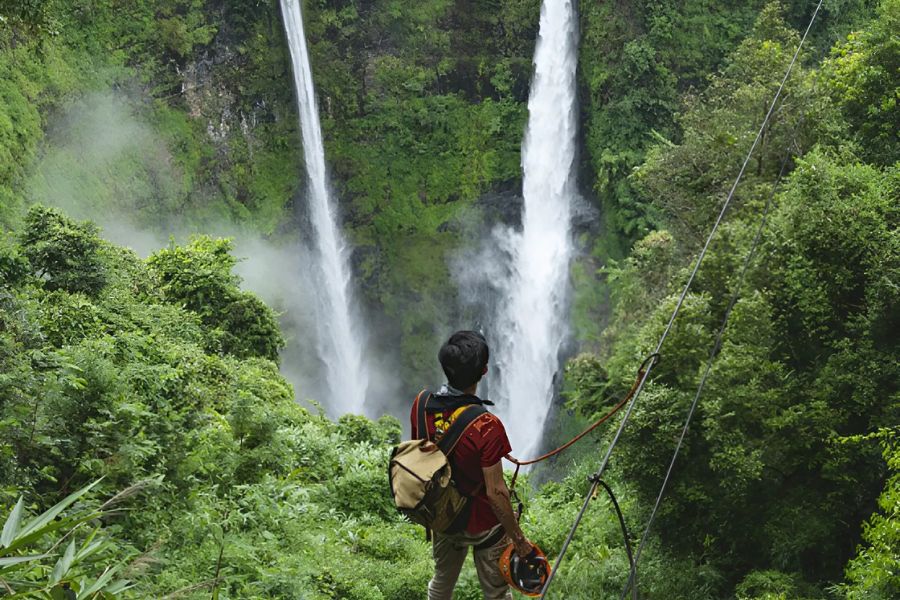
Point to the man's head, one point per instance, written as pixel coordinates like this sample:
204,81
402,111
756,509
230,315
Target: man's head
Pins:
464,359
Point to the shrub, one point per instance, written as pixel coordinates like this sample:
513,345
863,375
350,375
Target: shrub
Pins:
65,253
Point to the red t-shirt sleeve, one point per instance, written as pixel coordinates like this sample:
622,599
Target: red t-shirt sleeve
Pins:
494,444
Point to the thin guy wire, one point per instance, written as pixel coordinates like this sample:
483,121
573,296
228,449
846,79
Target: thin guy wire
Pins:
717,346
678,305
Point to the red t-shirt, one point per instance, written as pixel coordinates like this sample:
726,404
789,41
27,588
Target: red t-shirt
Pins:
483,445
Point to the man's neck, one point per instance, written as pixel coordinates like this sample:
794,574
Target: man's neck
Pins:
452,391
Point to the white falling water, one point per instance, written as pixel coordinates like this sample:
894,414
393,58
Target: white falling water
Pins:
532,325
339,345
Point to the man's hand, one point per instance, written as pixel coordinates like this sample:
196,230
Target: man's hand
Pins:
498,495
523,547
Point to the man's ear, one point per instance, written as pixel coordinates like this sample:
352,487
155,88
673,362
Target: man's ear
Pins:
485,370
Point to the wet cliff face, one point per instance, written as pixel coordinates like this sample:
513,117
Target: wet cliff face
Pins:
422,105
236,90
423,110
207,81
235,84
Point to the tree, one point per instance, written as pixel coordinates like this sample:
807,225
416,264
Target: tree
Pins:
874,574
199,277
687,182
805,360
66,254
35,17
863,77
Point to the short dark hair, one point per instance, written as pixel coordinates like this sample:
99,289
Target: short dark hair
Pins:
463,358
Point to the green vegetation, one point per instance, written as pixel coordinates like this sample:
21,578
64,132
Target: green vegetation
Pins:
873,573
199,277
27,574
637,62
423,108
640,63
219,480
152,448
231,485
768,489
173,144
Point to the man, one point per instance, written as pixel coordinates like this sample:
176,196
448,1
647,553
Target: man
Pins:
477,471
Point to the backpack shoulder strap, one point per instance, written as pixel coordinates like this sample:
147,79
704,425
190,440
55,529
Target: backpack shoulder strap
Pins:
421,423
448,443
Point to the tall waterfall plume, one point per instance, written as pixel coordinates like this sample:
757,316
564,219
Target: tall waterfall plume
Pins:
531,324
340,344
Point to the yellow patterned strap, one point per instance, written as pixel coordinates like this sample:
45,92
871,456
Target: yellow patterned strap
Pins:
461,423
441,425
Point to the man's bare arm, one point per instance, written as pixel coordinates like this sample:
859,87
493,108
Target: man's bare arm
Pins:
498,495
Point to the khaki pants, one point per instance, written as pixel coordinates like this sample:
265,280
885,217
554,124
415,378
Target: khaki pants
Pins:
449,554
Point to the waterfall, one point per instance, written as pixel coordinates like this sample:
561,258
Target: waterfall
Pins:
339,337
532,322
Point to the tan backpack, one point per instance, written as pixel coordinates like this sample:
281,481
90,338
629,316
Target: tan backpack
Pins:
421,477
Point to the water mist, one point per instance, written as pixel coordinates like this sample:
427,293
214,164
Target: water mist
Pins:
531,324
340,339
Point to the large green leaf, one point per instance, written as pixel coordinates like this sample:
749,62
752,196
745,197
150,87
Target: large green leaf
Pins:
46,522
25,540
9,561
90,546
11,527
50,514
100,584
117,587
63,564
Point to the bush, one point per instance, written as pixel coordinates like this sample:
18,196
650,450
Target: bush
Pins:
63,252
13,265
198,276
88,566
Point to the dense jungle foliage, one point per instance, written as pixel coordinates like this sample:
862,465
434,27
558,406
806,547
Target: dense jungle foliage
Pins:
149,447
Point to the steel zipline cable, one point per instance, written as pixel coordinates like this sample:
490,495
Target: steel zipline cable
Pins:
717,346
595,478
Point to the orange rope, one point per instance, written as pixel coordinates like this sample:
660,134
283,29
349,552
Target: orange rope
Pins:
594,425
